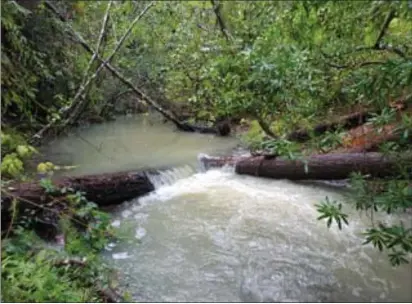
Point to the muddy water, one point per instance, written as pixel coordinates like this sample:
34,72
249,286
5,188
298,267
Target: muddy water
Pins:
217,236
130,143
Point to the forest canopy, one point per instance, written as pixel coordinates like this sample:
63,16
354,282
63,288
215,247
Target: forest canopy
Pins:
277,66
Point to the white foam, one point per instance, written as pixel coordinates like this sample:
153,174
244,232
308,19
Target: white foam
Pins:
271,225
120,255
126,213
140,233
141,217
116,223
169,177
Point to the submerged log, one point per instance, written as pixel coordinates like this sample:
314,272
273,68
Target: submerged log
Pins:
322,167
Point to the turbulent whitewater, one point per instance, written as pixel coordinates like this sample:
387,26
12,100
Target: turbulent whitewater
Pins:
218,237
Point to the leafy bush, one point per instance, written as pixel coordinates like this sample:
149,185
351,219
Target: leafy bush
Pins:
35,271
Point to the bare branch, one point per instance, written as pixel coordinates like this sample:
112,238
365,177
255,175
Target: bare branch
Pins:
70,262
77,111
385,47
86,72
391,15
378,46
55,10
99,41
390,48
265,127
95,56
180,125
85,82
202,27
223,29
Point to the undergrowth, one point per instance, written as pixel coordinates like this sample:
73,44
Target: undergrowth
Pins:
65,266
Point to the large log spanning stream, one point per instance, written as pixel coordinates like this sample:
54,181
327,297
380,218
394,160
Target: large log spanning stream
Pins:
115,188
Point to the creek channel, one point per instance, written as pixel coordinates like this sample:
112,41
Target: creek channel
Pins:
220,237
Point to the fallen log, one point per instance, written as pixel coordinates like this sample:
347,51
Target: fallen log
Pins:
321,167
115,188
345,122
366,138
104,189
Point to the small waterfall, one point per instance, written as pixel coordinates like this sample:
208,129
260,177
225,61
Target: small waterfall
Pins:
213,162
169,177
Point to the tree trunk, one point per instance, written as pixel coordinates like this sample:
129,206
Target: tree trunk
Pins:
322,167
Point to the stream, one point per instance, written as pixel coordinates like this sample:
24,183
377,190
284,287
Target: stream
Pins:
219,237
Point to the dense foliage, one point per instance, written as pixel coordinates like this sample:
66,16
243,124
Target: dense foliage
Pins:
37,269
279,65
285,65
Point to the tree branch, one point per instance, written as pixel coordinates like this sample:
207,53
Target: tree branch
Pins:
202,27
359,65
79,39
390,48
384,28
223,29
84,83
264,126
95,56
385,47
378,46
100,39
77,111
